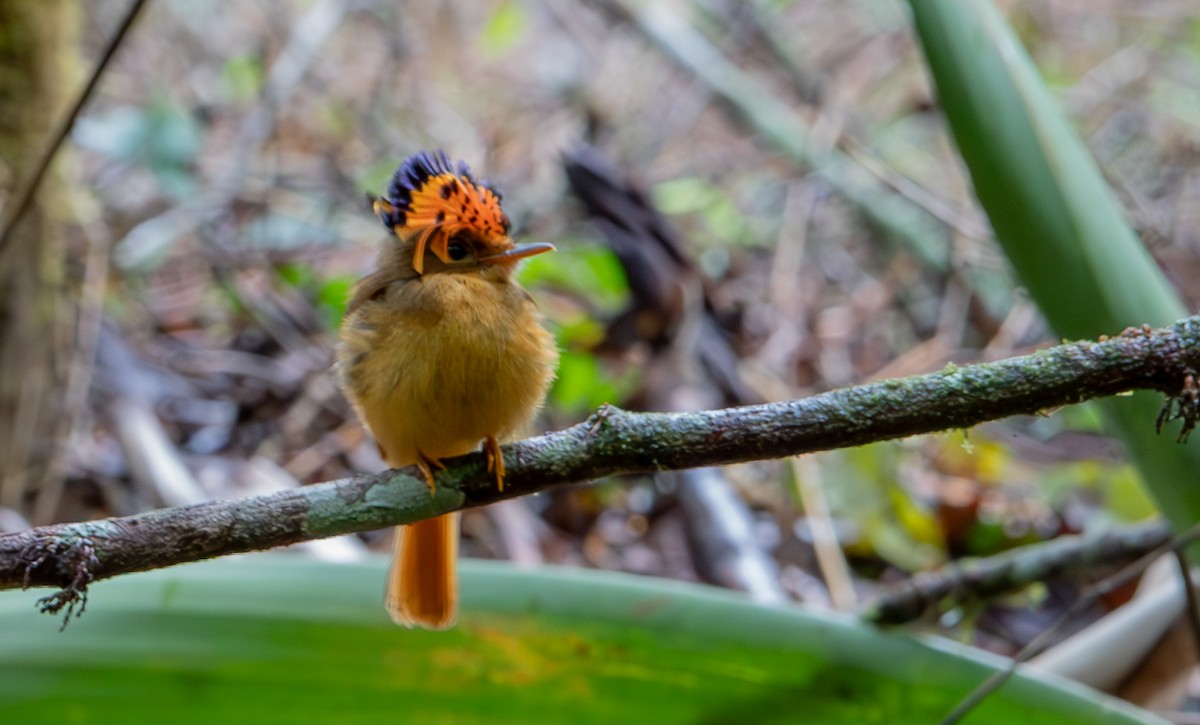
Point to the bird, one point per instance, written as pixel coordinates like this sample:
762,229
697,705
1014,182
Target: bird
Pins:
442,351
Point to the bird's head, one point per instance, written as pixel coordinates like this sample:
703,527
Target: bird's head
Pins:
447,221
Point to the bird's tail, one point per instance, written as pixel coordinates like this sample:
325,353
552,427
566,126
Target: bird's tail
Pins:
422,585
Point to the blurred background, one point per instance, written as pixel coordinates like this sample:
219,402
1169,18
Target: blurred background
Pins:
751,201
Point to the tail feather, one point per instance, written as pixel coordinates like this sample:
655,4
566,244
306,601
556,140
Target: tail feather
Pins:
422,585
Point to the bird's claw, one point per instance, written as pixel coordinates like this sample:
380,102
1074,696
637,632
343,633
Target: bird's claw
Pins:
495,459
427,464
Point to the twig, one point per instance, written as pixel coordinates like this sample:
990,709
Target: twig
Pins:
1040,642
944,211
1189,590
612,442
831,560
770,117
1012,570
149,238
19,207
807,83
1103,654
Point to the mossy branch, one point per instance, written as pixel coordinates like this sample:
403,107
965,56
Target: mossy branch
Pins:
613,441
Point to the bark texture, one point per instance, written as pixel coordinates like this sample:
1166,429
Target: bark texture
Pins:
612,441
38,75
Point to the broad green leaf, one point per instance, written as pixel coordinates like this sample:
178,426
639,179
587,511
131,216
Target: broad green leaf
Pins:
1059,223
275,638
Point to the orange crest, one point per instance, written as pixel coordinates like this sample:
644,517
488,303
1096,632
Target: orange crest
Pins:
429,196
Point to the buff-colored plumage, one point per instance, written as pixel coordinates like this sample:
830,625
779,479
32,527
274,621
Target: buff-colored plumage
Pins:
439,356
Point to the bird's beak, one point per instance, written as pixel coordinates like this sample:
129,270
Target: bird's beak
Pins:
518,252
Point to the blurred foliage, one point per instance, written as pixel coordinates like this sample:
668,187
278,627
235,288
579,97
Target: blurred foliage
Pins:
584,269
329,293
1057,219
285,231
863,487
722,218
808,284
505,28
592,273
374,179
161,135
243,77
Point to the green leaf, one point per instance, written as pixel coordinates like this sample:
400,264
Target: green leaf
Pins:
332,295
329,294
1125,496
274,638
1059,223
581,384
691,195
505,28
589,270
862,487
296,274
243,77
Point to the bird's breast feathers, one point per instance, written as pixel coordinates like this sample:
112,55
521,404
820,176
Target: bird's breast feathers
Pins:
466,361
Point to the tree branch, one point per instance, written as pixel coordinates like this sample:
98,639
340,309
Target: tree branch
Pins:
612,441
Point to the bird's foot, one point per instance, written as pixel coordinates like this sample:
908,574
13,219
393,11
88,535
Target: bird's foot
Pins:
495,459
427,464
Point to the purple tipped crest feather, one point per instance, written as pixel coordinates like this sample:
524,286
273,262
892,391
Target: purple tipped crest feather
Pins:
419,168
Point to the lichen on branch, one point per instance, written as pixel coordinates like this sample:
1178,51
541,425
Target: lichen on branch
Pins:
614,441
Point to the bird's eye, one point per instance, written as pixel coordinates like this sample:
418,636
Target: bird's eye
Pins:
457,251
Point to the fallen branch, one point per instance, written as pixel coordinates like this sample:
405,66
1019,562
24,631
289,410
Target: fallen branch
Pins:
989,576
612,441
